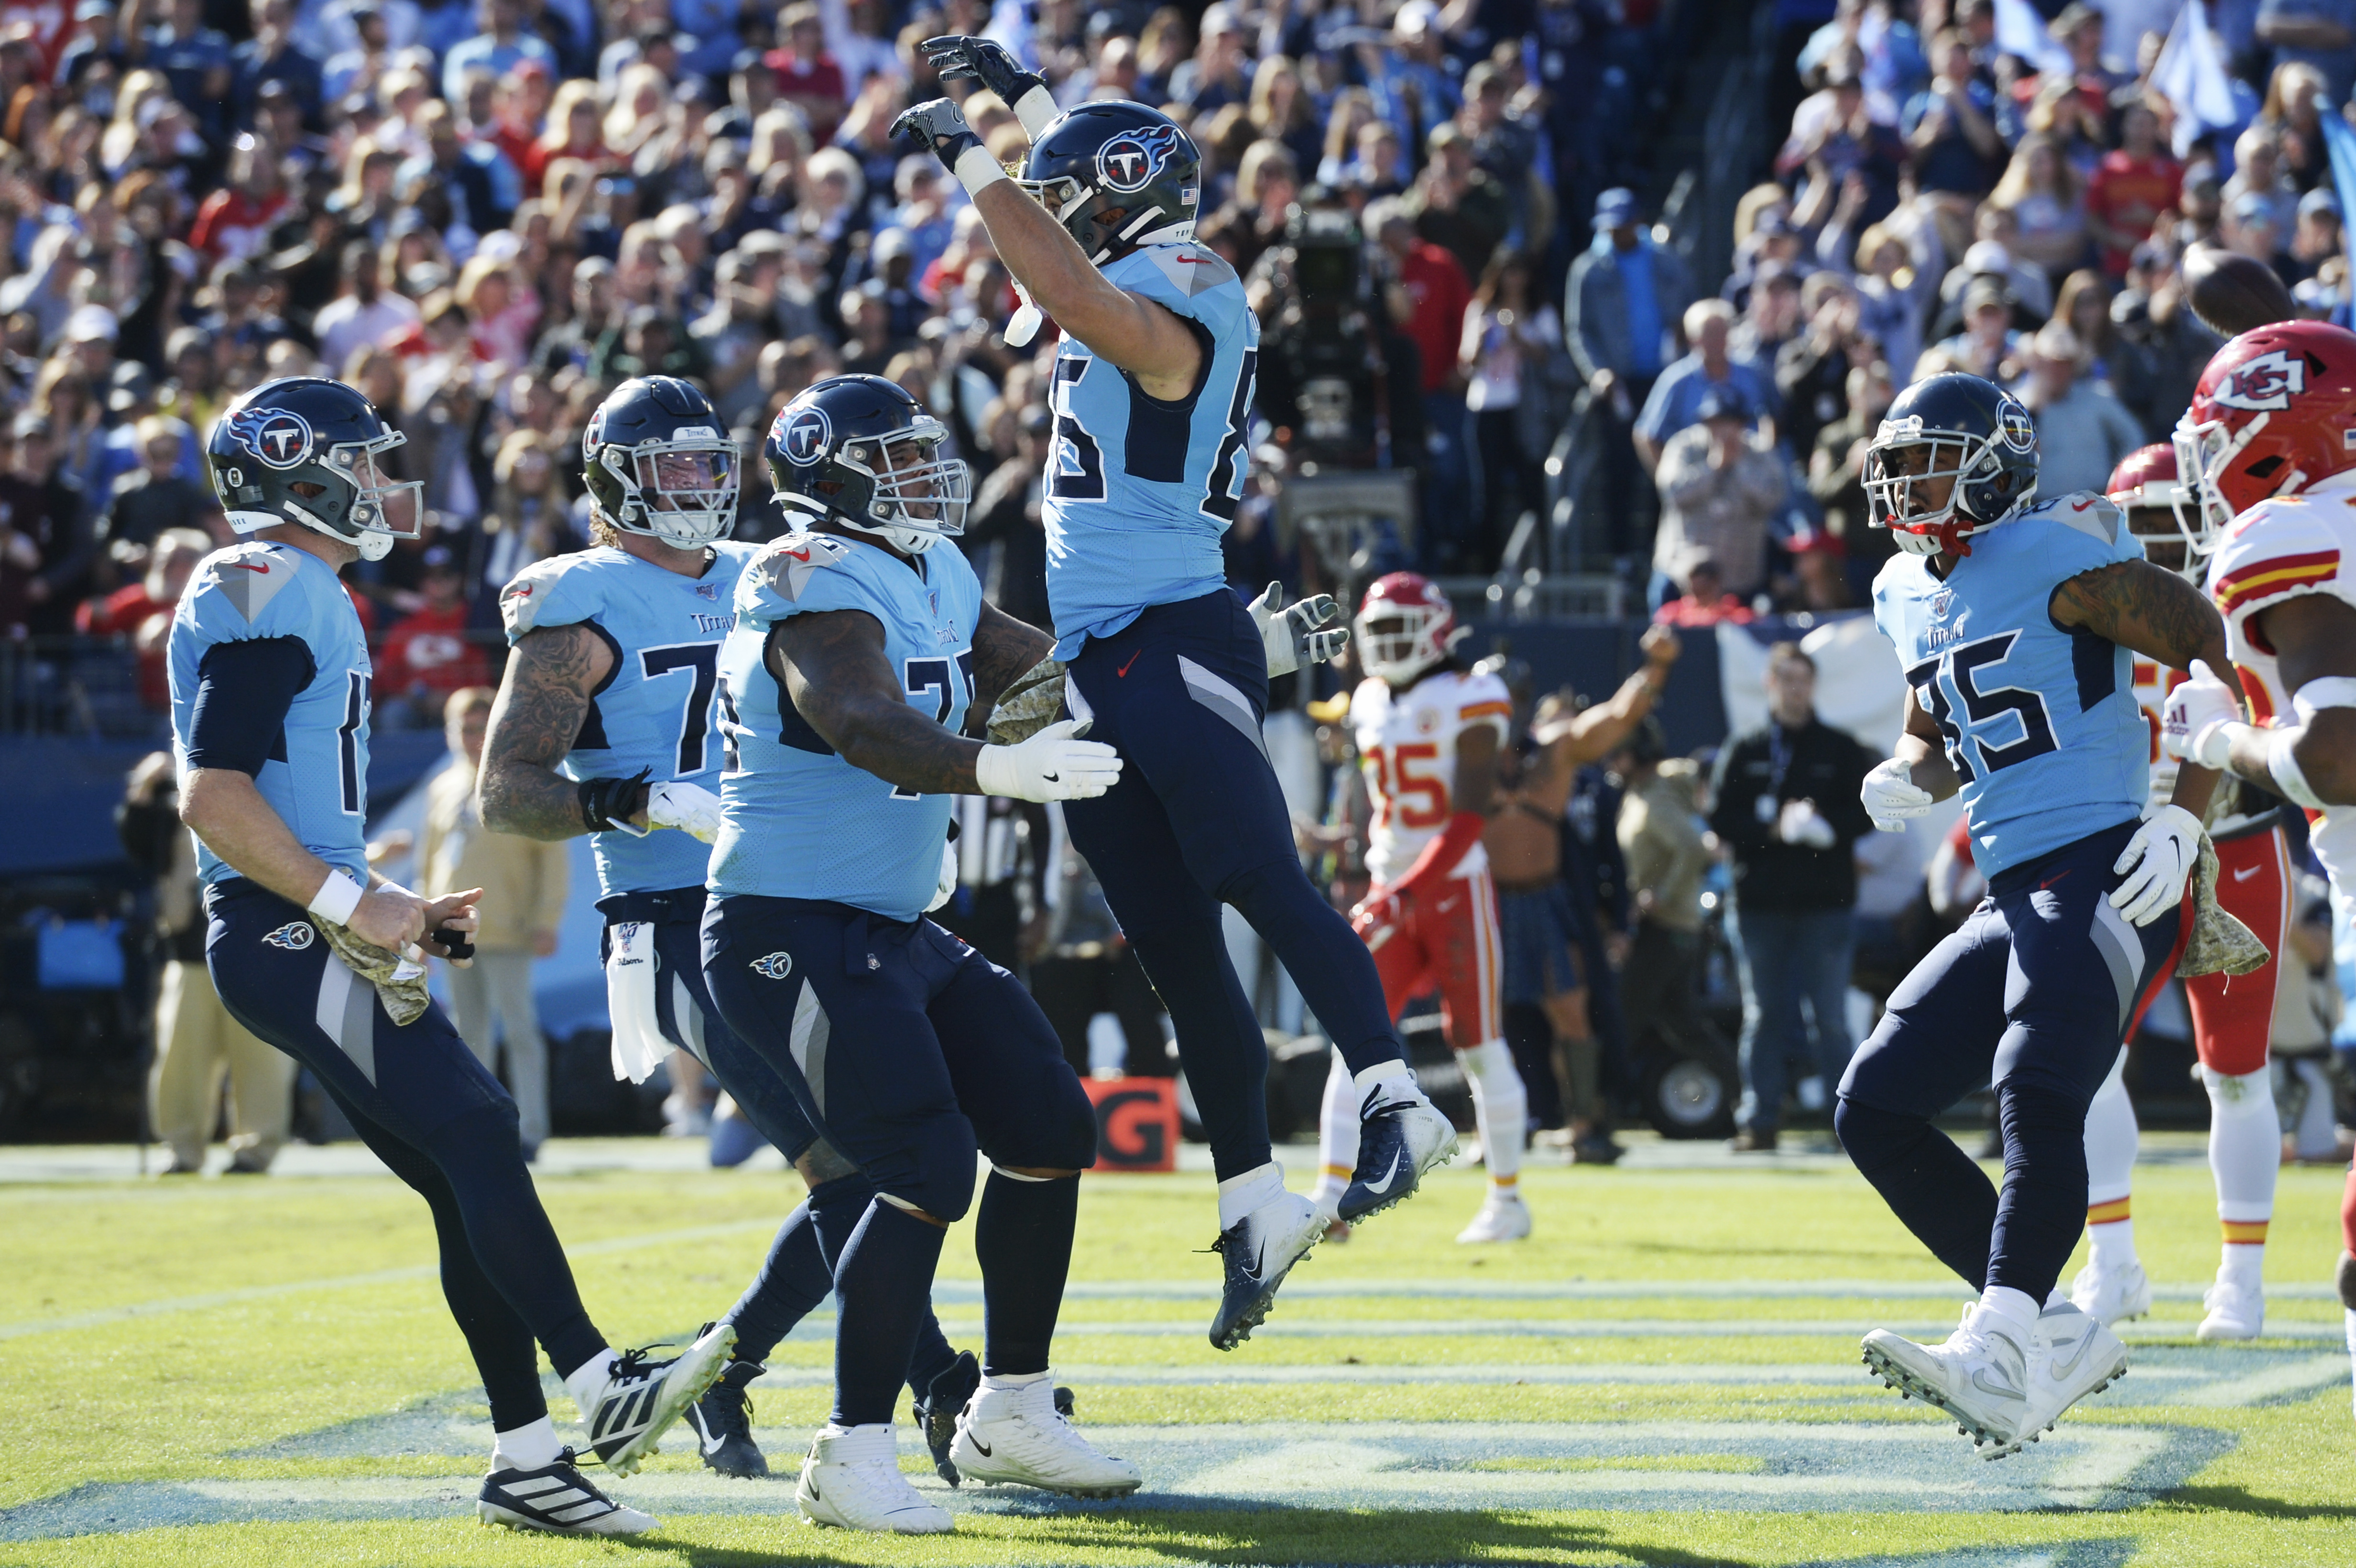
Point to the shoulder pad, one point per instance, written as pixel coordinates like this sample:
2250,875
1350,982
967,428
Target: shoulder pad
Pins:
1185,277
2092,514
551,593
250,590
2283,546
1479,689
783,567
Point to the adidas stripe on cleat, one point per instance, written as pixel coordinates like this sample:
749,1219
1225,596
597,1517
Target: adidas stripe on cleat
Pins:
641,1398
557,1498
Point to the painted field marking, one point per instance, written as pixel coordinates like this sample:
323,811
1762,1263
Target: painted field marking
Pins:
821,1326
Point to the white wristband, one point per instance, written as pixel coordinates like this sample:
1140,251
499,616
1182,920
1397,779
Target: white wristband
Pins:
2214,745
976,169
1037,109
337,898
993,772
2282,762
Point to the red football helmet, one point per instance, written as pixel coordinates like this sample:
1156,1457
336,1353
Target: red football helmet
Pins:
2145,486
2274,413
1418,627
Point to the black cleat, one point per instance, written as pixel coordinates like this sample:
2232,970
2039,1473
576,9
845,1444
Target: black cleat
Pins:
1398,1140
722,1423
936,1413
557,1498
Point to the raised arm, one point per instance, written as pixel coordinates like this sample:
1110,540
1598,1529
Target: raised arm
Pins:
1572,743
2158,615
543,697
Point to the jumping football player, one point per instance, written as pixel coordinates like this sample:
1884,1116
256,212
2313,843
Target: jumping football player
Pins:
604,726
857,650
2265,447
2233,1018
1152,394
320,956
2015,622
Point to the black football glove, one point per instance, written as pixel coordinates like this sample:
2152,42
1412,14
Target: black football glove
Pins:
607,804
960,59
941,126
453,942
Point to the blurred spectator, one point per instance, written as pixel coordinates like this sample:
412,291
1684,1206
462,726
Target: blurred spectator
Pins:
46,545
1710,370
499,45
2131,187
428,657
1701,599
155,496
524,883
197,1042
2042,192
142,611
1784,804
1624,299
1720,486
2082,430
1836,474
2316,34
1510,342
1988,347
363,313
1661,838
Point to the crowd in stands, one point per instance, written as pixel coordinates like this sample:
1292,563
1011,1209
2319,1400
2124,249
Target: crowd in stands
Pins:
488,213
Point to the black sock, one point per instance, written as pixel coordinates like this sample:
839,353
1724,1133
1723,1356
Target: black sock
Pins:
2043,1205
884,1281
836,1208
508,1232
1022,1237
793,1280
1934,1189
1220,1045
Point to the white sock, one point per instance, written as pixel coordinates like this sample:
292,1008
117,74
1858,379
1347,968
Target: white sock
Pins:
2244,1155
532,1447
2243,1264
1012,1379
1502,1107
587,1381
1239,1195
1337,1136
2110,1139
2112,1243
2017,1308
1391,1079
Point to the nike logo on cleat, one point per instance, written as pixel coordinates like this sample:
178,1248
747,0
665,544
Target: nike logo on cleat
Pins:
978,1444
2000,1388
1052,778
1390,1176
2085,1341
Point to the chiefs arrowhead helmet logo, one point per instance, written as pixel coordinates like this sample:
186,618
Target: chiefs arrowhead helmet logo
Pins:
2269,382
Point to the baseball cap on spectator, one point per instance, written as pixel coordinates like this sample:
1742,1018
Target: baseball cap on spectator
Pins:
89,10
1985,292
891,242
1772,224
2255,206
92,323
1773,273
1218,17
500,245
1447,133
2318,200
1989,256
1615,209
2056,342
129,386
438,559
2074,17
1812,541
1721,403
1414,19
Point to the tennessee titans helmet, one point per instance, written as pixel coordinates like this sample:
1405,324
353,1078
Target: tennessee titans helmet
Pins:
1971,432
860,452
1116,176
660,463
308,450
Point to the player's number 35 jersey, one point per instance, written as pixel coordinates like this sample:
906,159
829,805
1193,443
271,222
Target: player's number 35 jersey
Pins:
1139,490
2040,720
1407,748
655,711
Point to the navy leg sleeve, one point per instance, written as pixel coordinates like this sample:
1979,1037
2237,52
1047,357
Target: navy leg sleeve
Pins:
1022,1236
793,1280
417,1082
884,1279
836,1208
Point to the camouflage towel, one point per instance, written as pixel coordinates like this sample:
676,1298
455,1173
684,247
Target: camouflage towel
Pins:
1033,701
399,982
2219,943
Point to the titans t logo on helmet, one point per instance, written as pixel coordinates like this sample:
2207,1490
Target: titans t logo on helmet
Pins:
278,438
803,436
1134,160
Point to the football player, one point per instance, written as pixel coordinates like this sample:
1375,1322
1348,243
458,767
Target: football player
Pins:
2232,1020
2265,446
1152,393
604,726
2017,623
323,958
858,649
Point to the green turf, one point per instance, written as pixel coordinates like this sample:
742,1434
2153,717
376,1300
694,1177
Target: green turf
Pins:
342,1321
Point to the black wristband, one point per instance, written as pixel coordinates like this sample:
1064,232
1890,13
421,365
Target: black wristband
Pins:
453,942
607,804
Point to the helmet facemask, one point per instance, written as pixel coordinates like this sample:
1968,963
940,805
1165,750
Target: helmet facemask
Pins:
896,486
2204,454
682,491
1899,486
1397,642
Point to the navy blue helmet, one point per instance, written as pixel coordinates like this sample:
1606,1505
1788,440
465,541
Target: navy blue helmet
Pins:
1116,176
308,450
659,463
1957,428
860,452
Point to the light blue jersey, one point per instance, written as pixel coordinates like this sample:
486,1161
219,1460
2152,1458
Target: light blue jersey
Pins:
655,712
1139,490
2040,722
801,822
317,776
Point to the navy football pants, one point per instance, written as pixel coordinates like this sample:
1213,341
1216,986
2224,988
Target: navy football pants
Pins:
1197,820
2033,995
420,1101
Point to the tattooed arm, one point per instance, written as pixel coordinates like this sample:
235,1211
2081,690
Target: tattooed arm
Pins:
2156,613
1003,648
542,699
832,667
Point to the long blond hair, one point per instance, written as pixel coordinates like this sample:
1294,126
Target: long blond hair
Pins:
2014,187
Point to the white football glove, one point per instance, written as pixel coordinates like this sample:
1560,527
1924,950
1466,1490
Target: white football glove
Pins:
694,811
946,887
2161,857
2192,724
1054,764
1892,798
1308,633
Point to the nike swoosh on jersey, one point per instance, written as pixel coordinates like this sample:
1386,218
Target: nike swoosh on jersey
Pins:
1123,671
1390,1176
2051,880
2246,872
247,566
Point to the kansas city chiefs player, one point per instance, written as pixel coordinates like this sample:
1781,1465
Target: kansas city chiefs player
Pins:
2269,447
2233,1018
1428,732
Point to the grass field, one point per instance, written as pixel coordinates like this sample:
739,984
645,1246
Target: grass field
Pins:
218,1373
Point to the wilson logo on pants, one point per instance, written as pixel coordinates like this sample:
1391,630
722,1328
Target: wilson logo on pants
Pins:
773,965
293,936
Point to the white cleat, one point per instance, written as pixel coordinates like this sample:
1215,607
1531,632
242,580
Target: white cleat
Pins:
2076,1354
1017,1435
2112,1296
1979,1376
851,1478
1257,1251
643,1396
2237,1310
1504,1218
